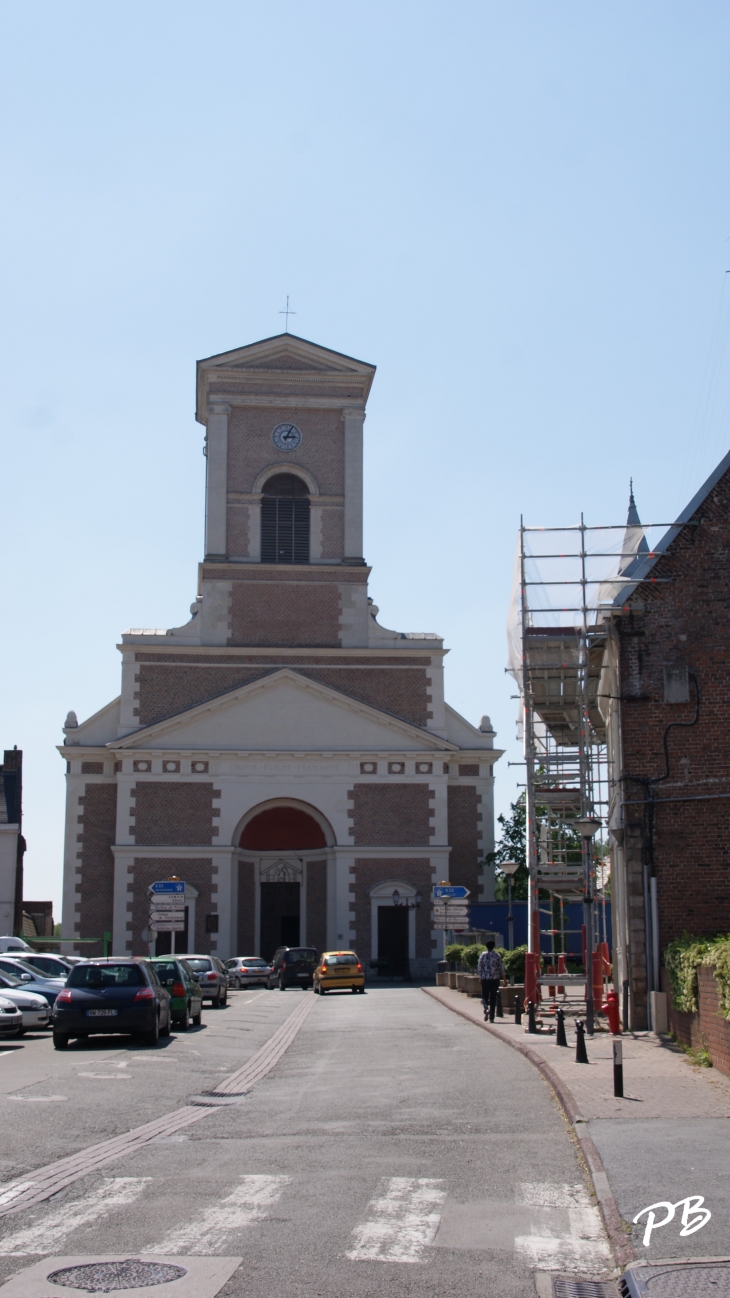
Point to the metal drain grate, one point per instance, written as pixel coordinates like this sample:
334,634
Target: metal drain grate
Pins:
677,1280
567,1287
107,1277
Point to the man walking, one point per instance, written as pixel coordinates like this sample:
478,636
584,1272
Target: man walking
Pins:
490,969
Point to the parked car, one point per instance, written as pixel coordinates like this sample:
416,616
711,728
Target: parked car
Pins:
49,965
338,971
8,943
186,999
212,976
11,1019
35,1010
293,966
31,978
248,971
112,994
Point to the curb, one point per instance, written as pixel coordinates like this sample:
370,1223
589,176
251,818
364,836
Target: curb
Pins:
621,1245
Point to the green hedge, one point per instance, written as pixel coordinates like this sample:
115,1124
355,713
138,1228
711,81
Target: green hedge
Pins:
682,959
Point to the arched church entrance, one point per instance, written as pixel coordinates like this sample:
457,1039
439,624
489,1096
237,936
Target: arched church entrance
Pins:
283,838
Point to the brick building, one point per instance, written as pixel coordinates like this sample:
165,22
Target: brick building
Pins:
665,694
290,759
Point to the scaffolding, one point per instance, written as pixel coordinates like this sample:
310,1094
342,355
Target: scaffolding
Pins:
564,592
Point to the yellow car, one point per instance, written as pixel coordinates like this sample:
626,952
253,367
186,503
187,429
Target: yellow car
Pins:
339,970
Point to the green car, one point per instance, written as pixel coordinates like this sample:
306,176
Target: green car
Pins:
186,1002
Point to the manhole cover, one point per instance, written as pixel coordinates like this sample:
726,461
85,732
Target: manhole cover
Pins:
106,1277
681,1280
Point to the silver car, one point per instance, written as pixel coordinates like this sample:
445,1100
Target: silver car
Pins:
212,976
31,979
11,1019
35,1009
248,971
49,965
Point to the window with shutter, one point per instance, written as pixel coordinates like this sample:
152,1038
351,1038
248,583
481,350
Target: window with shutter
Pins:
285,520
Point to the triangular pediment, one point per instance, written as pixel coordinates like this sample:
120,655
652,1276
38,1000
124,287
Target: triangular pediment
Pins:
284,357
284,712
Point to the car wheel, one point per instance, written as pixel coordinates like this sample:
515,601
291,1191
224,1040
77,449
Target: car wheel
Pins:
152,1037
215,1002
224,998
361,991
197,1018
60,1040
165,1032
321,991
182,1024
282,985
354,990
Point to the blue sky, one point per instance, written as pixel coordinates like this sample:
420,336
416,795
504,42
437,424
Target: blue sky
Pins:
520,212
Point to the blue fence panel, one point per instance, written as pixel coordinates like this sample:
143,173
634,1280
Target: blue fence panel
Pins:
494,916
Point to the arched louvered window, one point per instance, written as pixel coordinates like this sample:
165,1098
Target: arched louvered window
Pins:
285,520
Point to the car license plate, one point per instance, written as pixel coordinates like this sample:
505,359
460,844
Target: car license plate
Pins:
101,1014
302,975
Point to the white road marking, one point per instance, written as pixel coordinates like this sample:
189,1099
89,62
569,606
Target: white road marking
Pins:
585,1243
44,1235
208,1233
37,1099
107,1077
402,1220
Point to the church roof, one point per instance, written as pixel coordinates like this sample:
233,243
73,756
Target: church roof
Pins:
647,561
283,358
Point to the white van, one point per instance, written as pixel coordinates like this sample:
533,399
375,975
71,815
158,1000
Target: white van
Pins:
14,944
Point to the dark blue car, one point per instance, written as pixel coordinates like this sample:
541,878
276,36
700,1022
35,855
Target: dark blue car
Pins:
112,995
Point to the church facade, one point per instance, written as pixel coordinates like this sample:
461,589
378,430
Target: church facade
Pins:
288,758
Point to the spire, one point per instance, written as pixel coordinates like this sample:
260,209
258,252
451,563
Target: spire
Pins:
634,547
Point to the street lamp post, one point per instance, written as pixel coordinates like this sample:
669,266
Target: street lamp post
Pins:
509,868
588,827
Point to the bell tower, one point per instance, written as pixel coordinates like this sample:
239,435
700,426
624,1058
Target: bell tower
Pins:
283,406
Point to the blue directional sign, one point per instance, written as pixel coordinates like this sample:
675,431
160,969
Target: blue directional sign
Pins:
449,890
168,885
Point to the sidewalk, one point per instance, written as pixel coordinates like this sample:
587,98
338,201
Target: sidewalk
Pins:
669,1137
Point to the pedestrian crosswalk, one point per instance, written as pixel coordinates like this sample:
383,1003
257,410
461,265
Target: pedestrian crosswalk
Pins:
402,1220
551,1226
51,1227
574,1242
212,1231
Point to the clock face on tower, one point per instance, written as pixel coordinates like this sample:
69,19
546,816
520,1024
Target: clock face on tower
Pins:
286,437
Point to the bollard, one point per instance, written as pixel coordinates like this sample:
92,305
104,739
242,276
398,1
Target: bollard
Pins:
500,1011
612,1013
531,1024
581,1056
618,1069
518,1009
560,1037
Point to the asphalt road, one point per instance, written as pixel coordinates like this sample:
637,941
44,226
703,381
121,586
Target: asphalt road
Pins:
393,1147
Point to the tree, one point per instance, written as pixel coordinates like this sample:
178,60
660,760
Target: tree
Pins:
512,846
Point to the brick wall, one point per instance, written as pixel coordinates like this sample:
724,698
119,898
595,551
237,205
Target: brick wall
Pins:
464,820
681,620
391,815
707,1028
199,872
237,530
333,533
171,813
317,904
367,873
321,450
97,833
282,612
246,909
167,688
